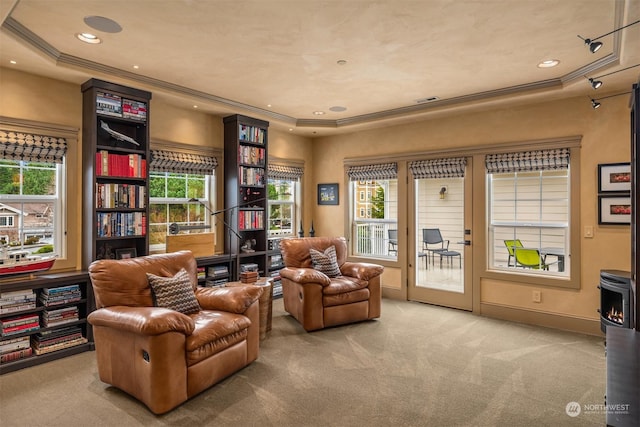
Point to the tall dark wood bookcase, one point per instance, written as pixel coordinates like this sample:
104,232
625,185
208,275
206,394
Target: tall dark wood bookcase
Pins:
115,162
245,196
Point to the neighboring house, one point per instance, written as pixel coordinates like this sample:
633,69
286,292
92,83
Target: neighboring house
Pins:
27,219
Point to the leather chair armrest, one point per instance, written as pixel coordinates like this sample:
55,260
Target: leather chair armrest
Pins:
235,299
142,320
361,270
305,275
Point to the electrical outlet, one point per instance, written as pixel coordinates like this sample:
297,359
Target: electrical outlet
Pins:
537,296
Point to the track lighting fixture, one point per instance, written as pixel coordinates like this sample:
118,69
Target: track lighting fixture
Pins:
597,83
594,46
596,104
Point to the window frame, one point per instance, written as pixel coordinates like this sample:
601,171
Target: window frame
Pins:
573,280
295,186
358,207
59,218
535,226
209,191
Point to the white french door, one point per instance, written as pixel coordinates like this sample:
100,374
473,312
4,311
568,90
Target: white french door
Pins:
440,223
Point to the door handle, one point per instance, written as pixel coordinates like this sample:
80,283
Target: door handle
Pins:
467,242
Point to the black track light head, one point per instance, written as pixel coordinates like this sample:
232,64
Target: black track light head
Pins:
595,104
595,83
595,46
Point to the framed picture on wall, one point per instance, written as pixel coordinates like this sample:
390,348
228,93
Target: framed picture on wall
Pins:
614,210
328,194
126,253
614,178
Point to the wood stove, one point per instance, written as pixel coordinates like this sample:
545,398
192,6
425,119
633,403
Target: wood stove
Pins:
616,306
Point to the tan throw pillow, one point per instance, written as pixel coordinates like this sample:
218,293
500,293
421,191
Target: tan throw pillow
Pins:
174,292
326,262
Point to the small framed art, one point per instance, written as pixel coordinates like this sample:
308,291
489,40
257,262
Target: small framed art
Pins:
328,194
614,210
126,253
614,178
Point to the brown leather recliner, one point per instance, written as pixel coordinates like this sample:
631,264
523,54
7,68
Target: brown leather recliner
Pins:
318,301
161,356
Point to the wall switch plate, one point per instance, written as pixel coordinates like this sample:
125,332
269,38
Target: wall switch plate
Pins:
588,231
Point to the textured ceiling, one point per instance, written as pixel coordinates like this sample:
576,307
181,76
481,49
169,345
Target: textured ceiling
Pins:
278,60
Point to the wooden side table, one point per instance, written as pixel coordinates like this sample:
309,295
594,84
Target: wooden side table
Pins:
266,302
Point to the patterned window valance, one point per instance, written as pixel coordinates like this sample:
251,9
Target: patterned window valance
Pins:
527,161
372,172
292,173
31,147
452,167
177,162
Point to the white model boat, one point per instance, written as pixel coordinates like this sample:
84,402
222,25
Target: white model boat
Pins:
21,261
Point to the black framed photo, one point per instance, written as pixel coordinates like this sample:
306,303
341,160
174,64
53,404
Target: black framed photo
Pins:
614,210
614,178
126,253
328,194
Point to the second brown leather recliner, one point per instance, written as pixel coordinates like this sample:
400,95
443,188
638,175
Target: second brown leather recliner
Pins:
317,300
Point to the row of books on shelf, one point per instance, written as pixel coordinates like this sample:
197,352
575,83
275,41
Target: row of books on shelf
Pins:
276,261
40,343
30,322
248,220
19,324
117,195
120,224
20,300
252,134
274,244
60,295
120,165
251,155
251,176
114,105
60,316
218,271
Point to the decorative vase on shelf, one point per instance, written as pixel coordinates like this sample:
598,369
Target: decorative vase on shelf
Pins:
301,231
312,231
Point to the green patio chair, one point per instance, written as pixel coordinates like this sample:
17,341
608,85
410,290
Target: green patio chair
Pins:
530,258
511,244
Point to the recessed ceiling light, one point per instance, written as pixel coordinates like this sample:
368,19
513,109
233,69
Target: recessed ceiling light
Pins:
290,130
338,109
88,38
195,106
548,63
103,24
135,67
318,113
342,62
269,105
13,62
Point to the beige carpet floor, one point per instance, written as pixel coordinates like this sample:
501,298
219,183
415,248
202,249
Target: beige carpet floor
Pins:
418,365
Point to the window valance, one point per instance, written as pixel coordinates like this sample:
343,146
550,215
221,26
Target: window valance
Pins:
528,161
373,172
178,162
31,147
452,167
276,171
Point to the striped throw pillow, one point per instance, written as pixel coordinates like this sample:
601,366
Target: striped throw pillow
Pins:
174,292
326,262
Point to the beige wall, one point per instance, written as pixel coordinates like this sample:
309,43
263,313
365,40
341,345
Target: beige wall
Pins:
605,139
